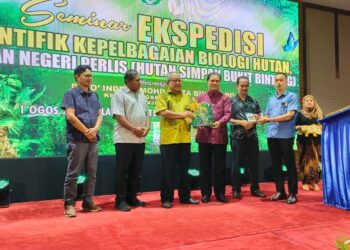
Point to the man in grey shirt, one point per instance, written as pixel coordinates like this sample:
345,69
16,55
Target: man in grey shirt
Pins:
129,109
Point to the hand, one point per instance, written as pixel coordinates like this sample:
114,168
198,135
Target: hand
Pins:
216,124
139,131
263,120
244,123
256,116
187,114
249,125
91,131
299,129
90,134
145,131
92,139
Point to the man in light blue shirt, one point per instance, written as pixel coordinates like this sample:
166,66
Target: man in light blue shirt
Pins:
129,109
280,114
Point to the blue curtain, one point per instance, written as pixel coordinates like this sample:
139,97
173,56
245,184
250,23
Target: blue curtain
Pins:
336,159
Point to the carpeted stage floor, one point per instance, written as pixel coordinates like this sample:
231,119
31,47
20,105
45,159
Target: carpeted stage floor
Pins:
250,223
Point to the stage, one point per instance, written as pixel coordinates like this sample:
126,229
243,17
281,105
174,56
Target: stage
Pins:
249,223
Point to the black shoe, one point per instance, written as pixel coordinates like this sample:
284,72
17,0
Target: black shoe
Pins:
190,201
236,195
292,199
221,198
258,193
206,198
166,204
121,205
279,196
133,201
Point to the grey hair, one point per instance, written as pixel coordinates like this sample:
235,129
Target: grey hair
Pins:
170,74
130,74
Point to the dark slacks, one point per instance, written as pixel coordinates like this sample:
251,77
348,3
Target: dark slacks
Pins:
281,151
175,157
212,163
81,156
129,164
245,153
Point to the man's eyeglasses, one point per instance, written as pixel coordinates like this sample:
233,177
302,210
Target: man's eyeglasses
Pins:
176,80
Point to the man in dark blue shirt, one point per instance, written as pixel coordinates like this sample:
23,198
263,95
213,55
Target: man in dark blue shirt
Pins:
84,117
244,139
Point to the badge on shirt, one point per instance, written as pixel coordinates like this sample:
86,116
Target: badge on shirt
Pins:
250,117
284,104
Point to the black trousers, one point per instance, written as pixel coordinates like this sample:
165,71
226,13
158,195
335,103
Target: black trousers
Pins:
281,150
175,158
212,163
245,153
129,164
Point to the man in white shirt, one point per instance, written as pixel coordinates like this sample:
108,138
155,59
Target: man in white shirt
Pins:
129,109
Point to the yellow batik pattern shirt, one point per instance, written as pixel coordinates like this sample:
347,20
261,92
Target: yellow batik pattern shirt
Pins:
174,131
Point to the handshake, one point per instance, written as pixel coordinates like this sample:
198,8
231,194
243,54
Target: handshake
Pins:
252,120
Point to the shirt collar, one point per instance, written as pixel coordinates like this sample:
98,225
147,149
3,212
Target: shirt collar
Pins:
282,95
239,98
83,92
170,92
127,90
213,93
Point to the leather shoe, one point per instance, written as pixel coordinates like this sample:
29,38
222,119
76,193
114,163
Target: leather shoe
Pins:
221,198
237,195
291,199
166,204
206,198
190,201
258,193
133,201
121,205
279,196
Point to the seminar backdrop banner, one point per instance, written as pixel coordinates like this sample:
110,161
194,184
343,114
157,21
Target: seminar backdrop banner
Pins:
42,41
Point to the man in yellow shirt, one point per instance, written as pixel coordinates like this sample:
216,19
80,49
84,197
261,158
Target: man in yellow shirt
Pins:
175,140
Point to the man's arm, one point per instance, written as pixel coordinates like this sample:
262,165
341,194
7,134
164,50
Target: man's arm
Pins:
163,110
291,110
95,129
175,115
138,131
281,118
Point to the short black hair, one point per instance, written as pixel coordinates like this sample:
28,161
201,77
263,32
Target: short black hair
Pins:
80,69
240,78
213,74
285,75
130,74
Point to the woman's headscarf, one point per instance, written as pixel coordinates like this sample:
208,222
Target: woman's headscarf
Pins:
315,112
